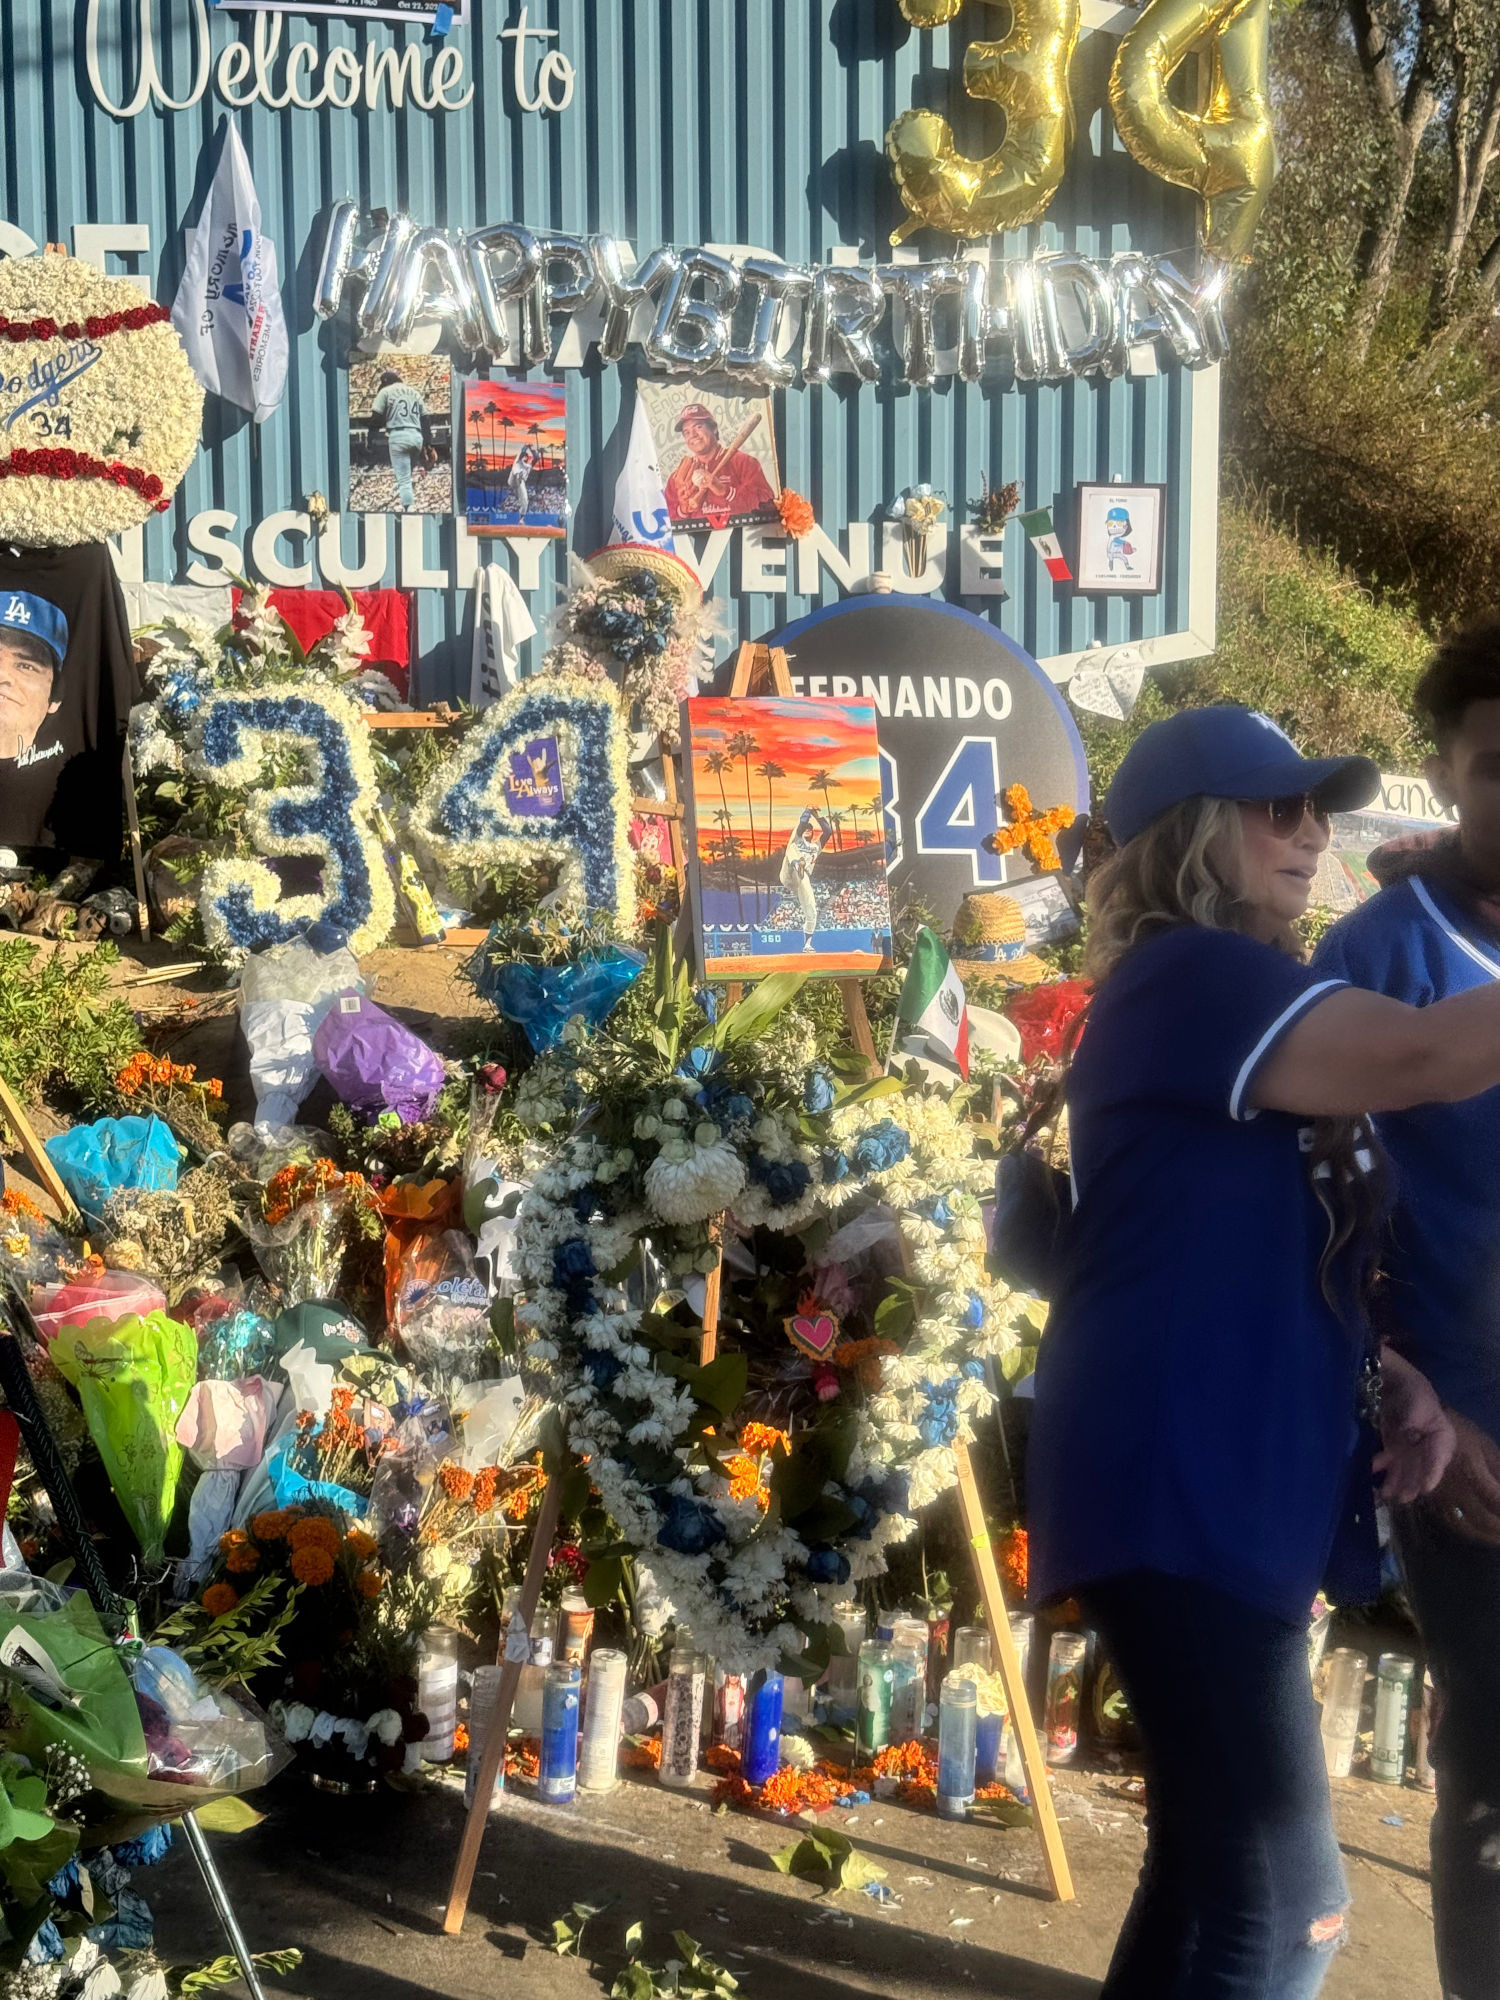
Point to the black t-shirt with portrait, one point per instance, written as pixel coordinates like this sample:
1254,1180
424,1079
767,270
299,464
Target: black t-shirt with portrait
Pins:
60,747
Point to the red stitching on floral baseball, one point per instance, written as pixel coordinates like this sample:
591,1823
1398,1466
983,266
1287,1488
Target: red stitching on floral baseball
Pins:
96,327
62,462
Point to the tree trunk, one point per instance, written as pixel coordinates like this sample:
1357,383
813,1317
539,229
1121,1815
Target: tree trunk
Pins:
1380,263
1469,168
1487,281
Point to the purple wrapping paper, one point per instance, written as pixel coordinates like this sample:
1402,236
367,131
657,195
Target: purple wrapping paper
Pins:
375,1064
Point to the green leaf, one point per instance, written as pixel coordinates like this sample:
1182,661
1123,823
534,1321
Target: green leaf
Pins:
825,1520
875,1086
603,1581
633,1982
747,1021
1003,1812
721,1385
564,1938
856,1869
633,1935
228,1815
894,1317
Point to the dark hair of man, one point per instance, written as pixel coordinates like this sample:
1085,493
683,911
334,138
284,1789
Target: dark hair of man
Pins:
389,376
1464,669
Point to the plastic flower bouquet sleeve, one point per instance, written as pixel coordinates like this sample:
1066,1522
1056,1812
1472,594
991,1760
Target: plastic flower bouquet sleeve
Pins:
375,1064
541,1000
96,1161
133,1378
304,1255
442,1311
198,1737
279,1036
223,1430
112,1295
68,1686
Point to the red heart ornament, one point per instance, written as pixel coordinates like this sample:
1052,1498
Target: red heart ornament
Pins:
815,1333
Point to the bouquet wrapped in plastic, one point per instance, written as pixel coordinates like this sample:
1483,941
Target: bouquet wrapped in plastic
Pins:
223,1430
375,1064
95,1161
133,1378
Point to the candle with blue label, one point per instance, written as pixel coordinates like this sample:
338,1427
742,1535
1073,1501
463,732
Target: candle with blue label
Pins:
762,1732
957,1717
557,1777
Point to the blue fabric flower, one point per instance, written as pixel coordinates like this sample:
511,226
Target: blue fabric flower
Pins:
835,1168
644,584
572,1260
603,1369
817,1092
972,1371
785,1181
701,1062
865,1513
937,1422
131,1928
690,1527
884,1146
46,1945
708,1003
65,1881
936,1210
826,1565
146,1849
974,1311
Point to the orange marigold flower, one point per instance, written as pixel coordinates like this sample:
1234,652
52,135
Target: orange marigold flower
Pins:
233,1538
483,1496
461,1736
457,1483
641,1753
13,1202
242,1560
219,1598
744,1480
797,516
361,1544
369,1583
315,1531
1014,1553
312,1565
215,1087
763,1437
270,1526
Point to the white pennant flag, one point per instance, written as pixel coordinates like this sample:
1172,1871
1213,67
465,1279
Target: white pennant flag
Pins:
228,306
502,625
640,498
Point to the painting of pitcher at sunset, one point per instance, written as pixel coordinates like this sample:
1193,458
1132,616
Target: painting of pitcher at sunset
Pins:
788,837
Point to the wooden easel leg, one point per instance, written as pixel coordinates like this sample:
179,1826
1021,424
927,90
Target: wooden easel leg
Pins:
137,857
1010,1675
492,1755
12,1115
713,1286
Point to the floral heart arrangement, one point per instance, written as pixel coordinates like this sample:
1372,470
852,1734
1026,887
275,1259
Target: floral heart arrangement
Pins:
99,410
743,1496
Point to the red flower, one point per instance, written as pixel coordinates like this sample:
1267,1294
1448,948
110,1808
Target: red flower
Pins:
1045,1014
44,328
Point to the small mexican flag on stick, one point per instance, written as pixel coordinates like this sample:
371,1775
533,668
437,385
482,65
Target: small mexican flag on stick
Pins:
932,1016
1043,538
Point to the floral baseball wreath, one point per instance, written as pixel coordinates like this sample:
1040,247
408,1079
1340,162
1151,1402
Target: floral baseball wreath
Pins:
748,1543
99,408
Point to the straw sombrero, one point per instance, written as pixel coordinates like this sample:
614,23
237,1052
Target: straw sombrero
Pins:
619,560
989,944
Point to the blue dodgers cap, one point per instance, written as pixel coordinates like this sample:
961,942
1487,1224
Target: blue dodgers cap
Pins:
1225,753
22,611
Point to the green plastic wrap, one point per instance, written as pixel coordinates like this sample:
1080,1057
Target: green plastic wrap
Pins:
72,1689
133,1377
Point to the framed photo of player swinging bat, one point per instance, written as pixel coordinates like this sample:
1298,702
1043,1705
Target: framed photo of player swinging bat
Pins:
717,455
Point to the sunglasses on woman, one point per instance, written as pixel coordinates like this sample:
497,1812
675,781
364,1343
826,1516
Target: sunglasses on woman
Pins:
1286,815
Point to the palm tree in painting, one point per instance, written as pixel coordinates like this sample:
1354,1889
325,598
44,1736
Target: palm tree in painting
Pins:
491,411
743,746
729,849
852,814
836,821
534,432
825,782
476,463
770,772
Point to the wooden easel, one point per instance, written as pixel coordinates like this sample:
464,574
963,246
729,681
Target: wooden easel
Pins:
754,666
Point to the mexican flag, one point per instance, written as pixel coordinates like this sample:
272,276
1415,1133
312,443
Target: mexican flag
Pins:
932,1008
1043,538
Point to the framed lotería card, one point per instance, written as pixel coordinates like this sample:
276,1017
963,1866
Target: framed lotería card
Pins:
1120,531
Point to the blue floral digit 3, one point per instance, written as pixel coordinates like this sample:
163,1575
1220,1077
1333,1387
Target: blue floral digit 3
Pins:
324,819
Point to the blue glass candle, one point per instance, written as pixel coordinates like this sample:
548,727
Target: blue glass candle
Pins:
761,1742
989,1729
557,1777
958,1714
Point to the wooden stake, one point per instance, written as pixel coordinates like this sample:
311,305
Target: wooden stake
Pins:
492,1755
36,1153
1035,1764
137,857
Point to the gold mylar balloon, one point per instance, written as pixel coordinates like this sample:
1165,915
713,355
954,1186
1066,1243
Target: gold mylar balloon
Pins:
1226,152
1026,74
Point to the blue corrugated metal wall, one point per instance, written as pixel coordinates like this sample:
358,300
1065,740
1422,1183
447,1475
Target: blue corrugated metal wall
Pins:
751,121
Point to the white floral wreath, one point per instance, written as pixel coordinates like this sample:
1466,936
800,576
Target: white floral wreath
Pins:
101,410
466,816
240,901
742,1581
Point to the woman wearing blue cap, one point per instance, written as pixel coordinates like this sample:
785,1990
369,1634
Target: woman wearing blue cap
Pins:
1196,1469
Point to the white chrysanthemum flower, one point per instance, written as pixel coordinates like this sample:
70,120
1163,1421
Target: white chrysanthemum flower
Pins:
692,1189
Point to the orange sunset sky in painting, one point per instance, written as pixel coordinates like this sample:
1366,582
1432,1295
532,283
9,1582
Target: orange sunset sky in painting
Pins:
803,740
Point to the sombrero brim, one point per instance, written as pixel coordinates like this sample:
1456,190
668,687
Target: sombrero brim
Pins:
618,560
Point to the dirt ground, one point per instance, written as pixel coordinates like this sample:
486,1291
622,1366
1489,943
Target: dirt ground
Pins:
361,1884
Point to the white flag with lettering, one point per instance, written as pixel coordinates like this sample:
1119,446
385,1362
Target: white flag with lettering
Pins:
640,498
228,306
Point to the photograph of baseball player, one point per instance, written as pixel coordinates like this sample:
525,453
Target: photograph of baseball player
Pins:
788,837
717,455
401,435
514,444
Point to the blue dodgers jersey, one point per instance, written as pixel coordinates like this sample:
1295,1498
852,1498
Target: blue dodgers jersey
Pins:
1195,1393
1414,942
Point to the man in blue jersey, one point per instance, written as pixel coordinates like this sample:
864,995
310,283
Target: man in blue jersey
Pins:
1434,930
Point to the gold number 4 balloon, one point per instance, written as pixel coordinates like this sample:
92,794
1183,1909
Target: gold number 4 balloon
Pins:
1026,74
1224,152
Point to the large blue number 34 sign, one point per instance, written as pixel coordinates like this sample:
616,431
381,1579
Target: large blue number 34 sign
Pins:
324,818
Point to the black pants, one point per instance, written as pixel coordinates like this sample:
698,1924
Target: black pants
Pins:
1455,1591
1242,1891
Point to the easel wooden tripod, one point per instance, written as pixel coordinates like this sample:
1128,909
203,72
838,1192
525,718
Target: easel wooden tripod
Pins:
754,667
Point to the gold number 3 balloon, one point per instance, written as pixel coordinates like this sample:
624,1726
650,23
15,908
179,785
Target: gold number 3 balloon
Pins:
1026,74
1226,151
